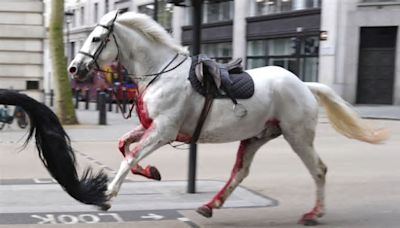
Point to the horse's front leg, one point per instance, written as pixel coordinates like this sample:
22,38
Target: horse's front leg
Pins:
125,141
152,139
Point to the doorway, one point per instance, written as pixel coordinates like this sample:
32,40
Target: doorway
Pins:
376,65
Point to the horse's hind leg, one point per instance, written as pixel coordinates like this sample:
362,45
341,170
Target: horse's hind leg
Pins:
125,141
245,155
301,140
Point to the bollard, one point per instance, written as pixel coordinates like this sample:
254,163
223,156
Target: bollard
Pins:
51,98
87,98
77,91
125,99
97,99
102,108
110,98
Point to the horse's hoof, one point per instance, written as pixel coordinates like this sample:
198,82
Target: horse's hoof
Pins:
105,207
205,211
154,173
111,192
309,219
308,222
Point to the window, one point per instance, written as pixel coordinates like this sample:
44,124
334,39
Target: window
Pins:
147,9
32,85
278,47
217,11
123,10
256,52
263,7
106,6
96,12
164,12
297,54
82,11
220,52
73,18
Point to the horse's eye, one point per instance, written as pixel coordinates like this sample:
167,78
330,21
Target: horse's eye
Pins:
96,39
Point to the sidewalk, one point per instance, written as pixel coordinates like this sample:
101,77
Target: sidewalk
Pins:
91,117
389,112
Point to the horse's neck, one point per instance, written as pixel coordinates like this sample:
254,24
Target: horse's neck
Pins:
146,71
142,57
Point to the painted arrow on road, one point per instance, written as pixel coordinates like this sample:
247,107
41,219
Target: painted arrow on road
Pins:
152,216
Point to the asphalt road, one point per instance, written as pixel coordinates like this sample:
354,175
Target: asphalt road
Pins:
363,188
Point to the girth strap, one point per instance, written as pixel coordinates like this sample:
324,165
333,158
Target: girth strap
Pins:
209,98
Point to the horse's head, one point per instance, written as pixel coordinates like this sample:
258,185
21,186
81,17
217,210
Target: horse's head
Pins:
99,48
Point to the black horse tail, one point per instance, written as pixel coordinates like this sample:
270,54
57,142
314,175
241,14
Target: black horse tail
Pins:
56,153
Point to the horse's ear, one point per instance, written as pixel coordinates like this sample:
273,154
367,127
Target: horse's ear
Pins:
116,14
117,11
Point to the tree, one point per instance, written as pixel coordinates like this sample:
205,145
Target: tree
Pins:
64,105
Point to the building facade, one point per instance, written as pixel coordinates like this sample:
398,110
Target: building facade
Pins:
22,33
262,32
336,42
360,57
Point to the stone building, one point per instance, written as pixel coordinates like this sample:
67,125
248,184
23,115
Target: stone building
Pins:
360,57
350,45
267,32
22,33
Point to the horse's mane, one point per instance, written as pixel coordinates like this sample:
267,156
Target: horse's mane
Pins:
151,29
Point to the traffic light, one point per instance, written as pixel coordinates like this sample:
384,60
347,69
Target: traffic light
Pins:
309,46
295,44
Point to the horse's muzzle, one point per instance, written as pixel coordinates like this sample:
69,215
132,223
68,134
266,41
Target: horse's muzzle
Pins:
79,72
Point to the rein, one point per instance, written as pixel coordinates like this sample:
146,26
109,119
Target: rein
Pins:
163,71
155,75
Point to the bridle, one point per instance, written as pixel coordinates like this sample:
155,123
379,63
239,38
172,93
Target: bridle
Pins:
103,43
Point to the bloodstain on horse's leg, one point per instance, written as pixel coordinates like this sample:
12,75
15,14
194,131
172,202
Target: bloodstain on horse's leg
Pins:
143,114
310,218
150,172
219,199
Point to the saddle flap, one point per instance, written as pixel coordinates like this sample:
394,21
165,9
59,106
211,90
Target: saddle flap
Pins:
213,70
199,72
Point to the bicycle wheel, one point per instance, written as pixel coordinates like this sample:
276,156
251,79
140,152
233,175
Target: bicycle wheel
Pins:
22,119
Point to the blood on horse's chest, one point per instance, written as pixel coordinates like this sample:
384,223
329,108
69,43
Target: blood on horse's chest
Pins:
143,113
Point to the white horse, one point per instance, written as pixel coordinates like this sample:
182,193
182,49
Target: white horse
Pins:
168,107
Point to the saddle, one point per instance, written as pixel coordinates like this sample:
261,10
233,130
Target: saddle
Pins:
214,80
226,80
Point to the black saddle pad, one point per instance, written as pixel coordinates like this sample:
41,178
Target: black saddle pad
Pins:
242,84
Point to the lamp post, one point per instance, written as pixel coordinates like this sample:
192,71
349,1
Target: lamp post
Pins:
155,15
196,36
197,6
68,15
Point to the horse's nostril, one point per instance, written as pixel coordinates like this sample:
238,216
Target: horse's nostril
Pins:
72,70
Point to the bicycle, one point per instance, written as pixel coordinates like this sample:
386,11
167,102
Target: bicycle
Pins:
19,114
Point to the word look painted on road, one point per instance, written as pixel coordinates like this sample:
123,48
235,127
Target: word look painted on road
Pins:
76,218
